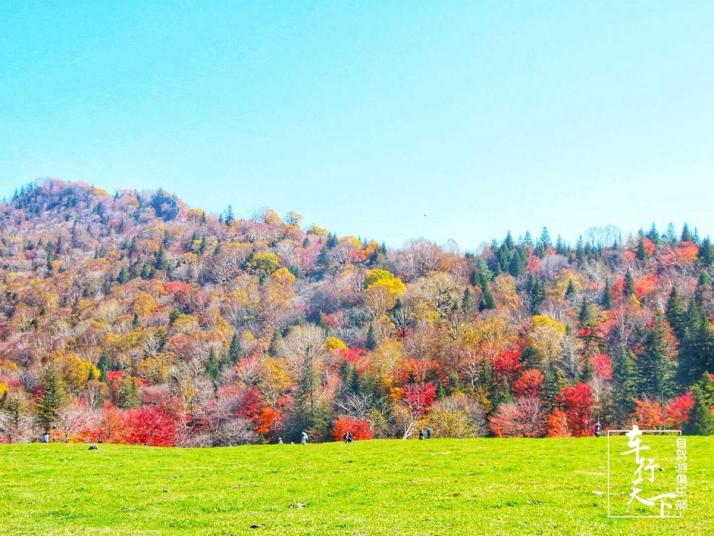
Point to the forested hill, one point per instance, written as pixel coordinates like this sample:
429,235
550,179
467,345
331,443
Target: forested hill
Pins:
134,318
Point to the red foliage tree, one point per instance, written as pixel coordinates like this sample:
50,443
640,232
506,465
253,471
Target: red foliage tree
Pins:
266,420
419,397
522,418
529,384
359,429
678,410
577,402
148,425
648,414
419,369
151,426
508,365
602,366
558,424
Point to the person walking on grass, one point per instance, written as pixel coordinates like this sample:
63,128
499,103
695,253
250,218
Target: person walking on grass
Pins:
428,432
421,434
304,438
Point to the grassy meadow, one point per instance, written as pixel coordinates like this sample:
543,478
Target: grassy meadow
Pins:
440,486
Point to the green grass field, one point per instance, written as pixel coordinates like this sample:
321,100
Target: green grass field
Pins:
478,486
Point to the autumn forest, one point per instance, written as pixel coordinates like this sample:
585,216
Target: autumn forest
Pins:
131,317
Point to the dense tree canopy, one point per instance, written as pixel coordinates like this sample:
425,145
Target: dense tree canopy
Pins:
135,318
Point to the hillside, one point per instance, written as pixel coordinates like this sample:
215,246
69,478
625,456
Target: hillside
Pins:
134,318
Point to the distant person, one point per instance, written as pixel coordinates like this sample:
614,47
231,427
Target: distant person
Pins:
598,429
428,433
45,438
280,441
348,437
421,434
304,438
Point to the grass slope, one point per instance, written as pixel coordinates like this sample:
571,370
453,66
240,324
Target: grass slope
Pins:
478,486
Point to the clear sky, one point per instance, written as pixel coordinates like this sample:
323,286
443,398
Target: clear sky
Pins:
389,120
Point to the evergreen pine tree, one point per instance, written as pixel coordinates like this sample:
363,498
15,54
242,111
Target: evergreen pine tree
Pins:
344,372
586,316
676,313
486,377
544,239
354,383
641,251
123,276
128,394
701,418
160,261
54,396
629,288
606,299
696,351
104,364
487,301
705,252
371,338
503,393
467,301
586,372
624,385
704,287
147,271
656,365
323,260
570,291
515,267
228,218
553,384
535,292
653,235
670,236
528,239
579,252
686,234
234,350
213,366
532,358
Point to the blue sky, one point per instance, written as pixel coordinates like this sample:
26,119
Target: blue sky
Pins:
390,120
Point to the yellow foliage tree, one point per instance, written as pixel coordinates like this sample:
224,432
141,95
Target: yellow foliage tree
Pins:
335,345
546,336
264,262
383,289
275,378
144,305
77,372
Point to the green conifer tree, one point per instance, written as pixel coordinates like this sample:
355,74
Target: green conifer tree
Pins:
676,312
213,366
705,252
656,365
570,291
606,299
54,396
371,342
629,288
234,350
